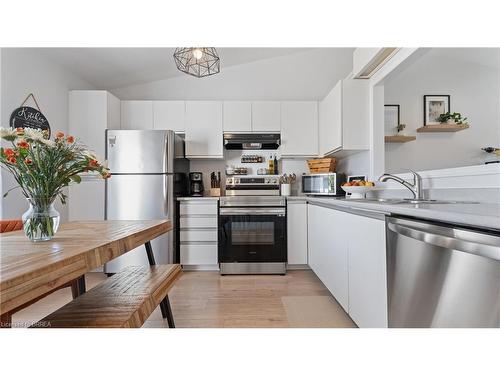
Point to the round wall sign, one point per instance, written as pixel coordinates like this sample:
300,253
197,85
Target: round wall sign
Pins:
29,117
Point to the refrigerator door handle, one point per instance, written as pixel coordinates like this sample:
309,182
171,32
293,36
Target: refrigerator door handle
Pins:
165,195
169,152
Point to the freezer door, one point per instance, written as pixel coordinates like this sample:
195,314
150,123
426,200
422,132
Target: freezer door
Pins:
141,197
140,151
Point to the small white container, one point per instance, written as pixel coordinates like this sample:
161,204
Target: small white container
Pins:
286,190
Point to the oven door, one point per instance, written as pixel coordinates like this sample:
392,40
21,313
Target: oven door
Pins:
252,234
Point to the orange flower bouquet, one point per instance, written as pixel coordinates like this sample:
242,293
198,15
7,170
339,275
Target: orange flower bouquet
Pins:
42,168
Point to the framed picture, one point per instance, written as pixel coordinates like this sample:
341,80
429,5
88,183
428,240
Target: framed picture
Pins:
391,118
434,106
356,178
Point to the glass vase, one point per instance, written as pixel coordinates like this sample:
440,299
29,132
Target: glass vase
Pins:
41,221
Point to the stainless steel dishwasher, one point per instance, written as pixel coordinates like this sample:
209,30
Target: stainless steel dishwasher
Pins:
442,276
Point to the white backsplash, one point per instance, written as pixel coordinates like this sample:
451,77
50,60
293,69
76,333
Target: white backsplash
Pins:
233,158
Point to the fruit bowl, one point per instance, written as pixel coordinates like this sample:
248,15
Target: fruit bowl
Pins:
357,192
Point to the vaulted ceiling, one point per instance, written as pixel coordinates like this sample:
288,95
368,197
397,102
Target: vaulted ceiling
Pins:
109,68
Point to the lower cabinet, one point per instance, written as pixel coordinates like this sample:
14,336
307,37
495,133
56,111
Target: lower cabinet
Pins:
367,271
198,232
297,232
347,253
328,251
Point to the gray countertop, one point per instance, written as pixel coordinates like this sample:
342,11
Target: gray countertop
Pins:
484,215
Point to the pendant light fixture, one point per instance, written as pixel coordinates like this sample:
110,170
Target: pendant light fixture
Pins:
197,61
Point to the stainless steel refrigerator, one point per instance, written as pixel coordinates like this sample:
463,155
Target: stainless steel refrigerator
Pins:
148,171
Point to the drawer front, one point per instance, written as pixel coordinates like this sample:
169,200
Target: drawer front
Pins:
198,209
198,235
198,222
200,254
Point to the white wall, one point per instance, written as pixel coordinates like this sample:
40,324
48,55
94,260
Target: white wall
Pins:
23,72
301,76
472,79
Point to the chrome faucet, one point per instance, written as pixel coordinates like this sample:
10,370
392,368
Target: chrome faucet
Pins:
415,188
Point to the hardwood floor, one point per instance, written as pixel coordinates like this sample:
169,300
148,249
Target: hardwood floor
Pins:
208,300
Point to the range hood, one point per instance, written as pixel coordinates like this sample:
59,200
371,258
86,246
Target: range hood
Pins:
236,141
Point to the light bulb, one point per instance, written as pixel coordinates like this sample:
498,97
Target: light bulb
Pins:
197,53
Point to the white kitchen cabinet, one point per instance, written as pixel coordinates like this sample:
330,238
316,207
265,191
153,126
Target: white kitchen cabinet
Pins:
91,112
297,232
344,123
204,129
367,271
137,114
199,254
330,121
328,253
198,233
266,117
237,117
347,252
169,115
299,129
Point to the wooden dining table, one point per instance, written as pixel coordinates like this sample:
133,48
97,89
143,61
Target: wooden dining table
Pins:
31,270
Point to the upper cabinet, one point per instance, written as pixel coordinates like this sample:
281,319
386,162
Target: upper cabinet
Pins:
91,112
344,123
237,117
299,129
204,129
169,115
266,117
137,114
330,121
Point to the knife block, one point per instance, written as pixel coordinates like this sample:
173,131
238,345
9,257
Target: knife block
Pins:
215,192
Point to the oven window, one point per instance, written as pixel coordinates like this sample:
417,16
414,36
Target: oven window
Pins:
252,233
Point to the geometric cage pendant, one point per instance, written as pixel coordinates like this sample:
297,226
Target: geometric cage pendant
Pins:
197,61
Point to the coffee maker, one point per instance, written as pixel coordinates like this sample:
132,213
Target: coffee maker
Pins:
196,184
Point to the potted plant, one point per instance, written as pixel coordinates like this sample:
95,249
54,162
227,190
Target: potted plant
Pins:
42,168
452,118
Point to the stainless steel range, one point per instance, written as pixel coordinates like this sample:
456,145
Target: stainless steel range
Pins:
252,185
252,227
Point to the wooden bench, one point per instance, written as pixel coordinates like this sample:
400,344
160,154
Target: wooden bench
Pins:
125,300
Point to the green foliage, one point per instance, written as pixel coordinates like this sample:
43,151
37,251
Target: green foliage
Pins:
455,116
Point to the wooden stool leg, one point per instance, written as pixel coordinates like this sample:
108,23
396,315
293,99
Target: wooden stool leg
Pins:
166,311
81,285
74,289
78,287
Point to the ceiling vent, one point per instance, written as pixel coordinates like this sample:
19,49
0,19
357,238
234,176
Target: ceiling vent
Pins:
380,59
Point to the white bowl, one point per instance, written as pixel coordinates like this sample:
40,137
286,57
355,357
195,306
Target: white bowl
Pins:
357,192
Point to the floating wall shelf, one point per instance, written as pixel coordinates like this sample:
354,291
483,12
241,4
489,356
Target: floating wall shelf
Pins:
442,128
399,138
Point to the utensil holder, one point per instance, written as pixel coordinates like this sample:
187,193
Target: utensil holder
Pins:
286,190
